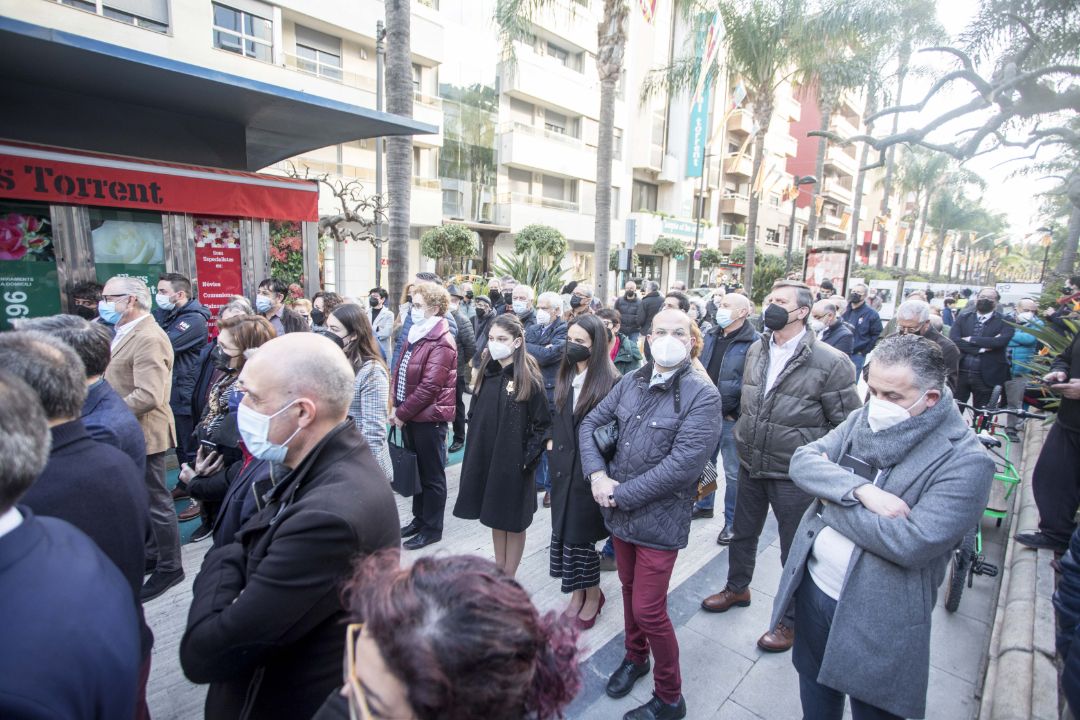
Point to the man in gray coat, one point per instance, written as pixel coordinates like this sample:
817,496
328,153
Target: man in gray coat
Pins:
795,390
898,484
668,416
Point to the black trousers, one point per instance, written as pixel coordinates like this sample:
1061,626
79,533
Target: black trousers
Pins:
459,413
970,384
186,444
428,441
1055,482
820,702
752,501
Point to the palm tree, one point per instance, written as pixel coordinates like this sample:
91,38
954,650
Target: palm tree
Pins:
399,101
767,43
514,21
920,173
916,24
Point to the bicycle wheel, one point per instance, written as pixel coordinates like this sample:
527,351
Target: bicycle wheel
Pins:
959,569
995,397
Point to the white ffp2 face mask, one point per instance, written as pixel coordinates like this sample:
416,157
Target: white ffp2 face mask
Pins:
500,351
667,351
254,428
882,414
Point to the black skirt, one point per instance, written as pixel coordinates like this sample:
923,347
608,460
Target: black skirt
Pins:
577,565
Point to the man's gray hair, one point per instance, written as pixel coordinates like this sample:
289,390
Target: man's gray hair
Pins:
527,290
92,342
585,288
922,356
50,367
25,439
554,299
133,286
913,309
237,303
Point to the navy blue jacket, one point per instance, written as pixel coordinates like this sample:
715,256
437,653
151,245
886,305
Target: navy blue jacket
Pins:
70,635
204,374
994,368
545,343
187,331
839,336
108,419
729,382
240,502
96,488
866,327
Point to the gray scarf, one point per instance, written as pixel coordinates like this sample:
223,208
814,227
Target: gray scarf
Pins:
887,447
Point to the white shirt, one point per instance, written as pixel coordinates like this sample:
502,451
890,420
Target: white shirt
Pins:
123,330
830,557
10,520
779,355
661,377
577,383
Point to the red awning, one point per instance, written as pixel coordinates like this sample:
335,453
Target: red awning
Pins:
58,175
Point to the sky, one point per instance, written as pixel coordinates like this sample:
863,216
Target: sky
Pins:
1013,196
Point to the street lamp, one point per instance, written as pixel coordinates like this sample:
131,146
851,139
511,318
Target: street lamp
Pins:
699,201
799,180
1046,241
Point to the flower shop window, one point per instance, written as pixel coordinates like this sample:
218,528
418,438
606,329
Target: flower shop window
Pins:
29,282
127,242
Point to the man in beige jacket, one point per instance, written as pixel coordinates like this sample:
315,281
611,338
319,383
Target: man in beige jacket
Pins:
141,372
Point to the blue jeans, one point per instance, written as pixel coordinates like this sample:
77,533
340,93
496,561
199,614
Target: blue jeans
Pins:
730,458
633,337
815,610
543,482
858,359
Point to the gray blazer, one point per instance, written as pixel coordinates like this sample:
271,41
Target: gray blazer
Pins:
879,645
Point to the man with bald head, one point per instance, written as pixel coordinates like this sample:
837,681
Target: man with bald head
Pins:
723,357
266,623
826,323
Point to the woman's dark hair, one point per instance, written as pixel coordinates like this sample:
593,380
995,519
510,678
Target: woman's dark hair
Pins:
330,301
464,638
601,374
356,323
291,321
248,332
527,377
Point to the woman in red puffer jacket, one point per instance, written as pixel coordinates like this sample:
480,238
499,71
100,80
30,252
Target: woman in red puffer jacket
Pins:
422,392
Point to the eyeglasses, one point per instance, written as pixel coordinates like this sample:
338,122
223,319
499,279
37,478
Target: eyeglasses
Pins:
110,298
358,704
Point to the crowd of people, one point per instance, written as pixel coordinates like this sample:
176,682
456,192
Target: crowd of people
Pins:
618,418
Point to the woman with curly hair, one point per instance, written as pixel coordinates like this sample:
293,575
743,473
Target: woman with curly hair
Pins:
450,638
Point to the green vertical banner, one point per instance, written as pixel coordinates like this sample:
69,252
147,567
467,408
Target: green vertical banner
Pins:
29,284
698,134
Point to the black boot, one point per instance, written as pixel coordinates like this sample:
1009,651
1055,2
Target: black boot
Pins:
622,680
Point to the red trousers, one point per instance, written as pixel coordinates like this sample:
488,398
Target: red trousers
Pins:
645,574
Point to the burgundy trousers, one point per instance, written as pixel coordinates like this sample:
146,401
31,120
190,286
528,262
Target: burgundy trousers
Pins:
645,574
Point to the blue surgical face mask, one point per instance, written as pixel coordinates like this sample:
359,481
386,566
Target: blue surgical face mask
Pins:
723,317
418,315
520,307
107,311
263,304
163,302
254,428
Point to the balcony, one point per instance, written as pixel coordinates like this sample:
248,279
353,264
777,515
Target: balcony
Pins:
832,223
734,204
838,158
728,243
543,79
736,164
790,108
838,192
741,122
516,210
840,125
535,147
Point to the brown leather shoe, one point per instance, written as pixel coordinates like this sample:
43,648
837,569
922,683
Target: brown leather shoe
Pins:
725,600
777,640
190,512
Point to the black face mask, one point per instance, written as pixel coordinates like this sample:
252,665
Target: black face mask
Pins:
318,317
88,313
854,298
334,338
576,301
508,297
495,295
1064,291
984,305
469,295
576,353
374,302
630,294
220,359
775,317
481,312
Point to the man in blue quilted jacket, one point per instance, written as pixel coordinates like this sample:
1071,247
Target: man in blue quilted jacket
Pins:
668,415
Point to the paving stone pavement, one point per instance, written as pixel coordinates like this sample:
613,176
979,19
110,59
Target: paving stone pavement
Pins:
725,676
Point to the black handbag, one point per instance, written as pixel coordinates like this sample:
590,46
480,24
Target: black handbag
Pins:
406,480
606,438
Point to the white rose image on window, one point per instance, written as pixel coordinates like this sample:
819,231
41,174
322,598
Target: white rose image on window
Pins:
129,243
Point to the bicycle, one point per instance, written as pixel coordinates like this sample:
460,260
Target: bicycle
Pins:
968,559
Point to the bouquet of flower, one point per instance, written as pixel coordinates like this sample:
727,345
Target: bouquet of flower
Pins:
24,237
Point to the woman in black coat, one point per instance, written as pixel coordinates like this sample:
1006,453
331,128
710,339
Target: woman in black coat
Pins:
509,424
586,375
